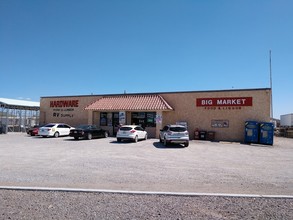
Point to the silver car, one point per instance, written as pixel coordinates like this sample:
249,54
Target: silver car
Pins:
131,132
174,134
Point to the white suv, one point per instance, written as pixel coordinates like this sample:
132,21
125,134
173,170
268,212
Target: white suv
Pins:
131,132
174,134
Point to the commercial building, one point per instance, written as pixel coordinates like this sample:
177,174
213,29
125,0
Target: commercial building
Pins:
287,120
286,126
223,112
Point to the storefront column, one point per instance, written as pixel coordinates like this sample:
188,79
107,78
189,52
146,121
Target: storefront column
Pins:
90,117
159,121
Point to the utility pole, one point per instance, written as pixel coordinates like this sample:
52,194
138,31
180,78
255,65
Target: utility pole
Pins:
271,85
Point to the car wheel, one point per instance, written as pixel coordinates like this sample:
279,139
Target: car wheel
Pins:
105,134
136,139
186,144
160,139
76,138
118,139
56,134
89,136
165,142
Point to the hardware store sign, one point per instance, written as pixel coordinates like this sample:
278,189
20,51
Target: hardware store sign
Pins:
224,103
63,108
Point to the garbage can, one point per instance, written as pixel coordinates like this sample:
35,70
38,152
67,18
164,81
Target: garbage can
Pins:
211,135
202,135
266,133
251,132
4,129
196,134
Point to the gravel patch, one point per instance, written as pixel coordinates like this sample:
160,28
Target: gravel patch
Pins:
203,167
104,164
19,204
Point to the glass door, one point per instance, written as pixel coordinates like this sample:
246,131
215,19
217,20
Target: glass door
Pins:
116,125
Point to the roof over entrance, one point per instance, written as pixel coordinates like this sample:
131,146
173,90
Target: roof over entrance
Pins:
131,103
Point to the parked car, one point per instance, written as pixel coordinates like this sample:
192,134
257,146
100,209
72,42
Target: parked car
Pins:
33,130
55,130
88,132
174,134
30,129
131,132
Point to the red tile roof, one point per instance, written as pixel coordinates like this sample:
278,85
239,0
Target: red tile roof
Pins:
131,103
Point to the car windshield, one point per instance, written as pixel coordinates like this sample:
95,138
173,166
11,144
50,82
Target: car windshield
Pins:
178,129
49,125
125,128
83,126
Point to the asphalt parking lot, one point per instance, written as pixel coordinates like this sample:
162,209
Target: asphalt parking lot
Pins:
203,167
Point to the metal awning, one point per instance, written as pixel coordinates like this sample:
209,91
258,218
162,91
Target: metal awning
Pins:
19,104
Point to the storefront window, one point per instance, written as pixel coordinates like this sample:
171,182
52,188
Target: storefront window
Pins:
103,119
144,119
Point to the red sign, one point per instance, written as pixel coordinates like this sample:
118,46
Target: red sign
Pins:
230,101
64,103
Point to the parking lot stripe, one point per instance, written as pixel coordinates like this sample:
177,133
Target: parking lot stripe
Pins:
142,192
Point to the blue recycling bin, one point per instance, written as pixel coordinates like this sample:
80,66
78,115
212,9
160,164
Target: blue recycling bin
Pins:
251,132
266,133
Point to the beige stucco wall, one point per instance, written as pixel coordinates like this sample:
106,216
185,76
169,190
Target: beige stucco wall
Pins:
185,109
70,115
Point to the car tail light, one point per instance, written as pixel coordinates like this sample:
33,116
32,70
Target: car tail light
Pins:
132,131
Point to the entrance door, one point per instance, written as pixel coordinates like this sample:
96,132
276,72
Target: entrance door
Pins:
115,118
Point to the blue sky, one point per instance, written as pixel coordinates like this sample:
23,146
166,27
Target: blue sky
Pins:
70,47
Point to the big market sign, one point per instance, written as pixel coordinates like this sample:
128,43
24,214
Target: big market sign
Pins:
224,103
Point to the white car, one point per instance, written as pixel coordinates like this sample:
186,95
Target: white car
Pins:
174,134
55,130
131,132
